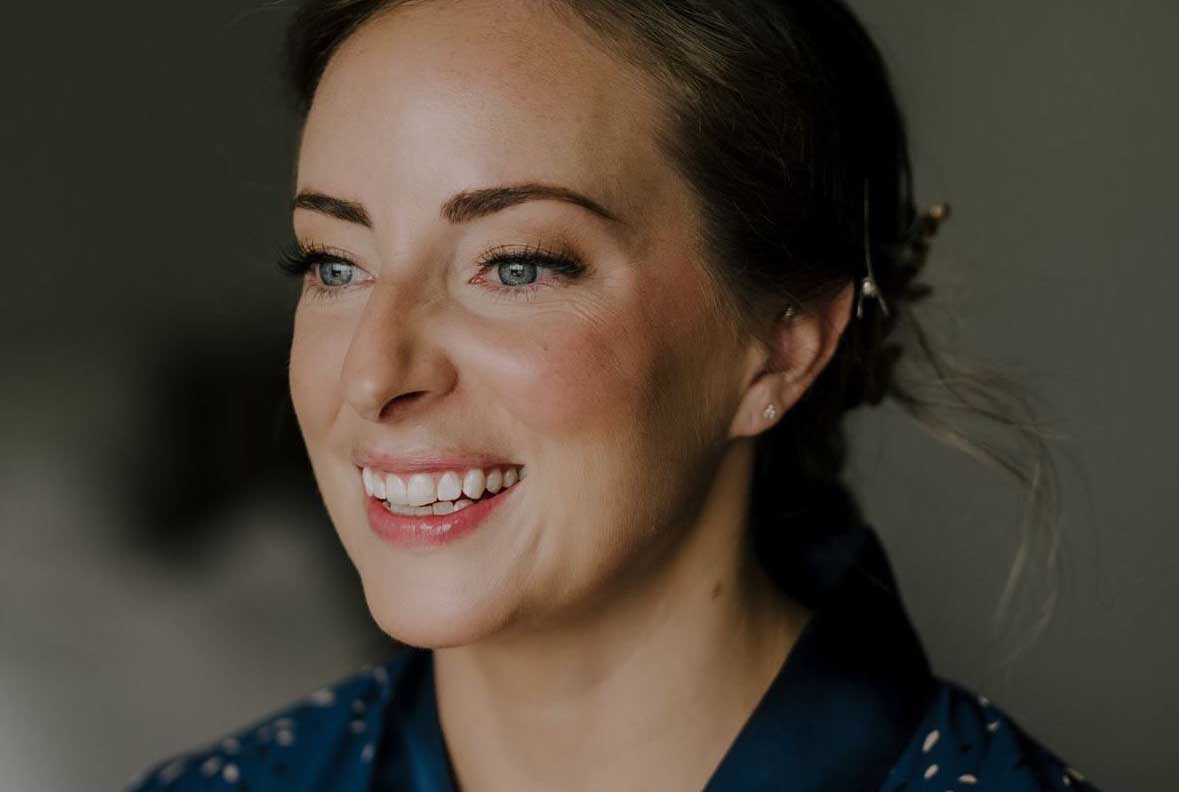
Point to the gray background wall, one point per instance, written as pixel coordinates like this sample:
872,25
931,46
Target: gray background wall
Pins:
165,571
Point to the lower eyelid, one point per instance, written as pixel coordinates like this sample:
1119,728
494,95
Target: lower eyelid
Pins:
536,285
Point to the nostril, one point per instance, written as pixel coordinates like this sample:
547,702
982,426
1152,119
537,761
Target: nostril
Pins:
401,402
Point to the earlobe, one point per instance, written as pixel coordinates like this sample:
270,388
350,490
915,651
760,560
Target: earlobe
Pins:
801,346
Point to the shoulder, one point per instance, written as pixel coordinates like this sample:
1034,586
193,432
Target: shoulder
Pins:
966,742
327,736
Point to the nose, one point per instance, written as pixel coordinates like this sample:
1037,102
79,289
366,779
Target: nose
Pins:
393,363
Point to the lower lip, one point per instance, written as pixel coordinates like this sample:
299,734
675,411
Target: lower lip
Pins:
406,530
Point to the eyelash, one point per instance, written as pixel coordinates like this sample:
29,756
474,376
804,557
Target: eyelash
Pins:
299,260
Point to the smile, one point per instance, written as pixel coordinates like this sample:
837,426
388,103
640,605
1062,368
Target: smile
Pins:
432,508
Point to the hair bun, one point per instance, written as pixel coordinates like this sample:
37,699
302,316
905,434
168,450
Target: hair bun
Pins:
932,218
917,243
873,381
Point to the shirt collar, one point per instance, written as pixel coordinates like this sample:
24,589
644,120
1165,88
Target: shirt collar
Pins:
837,715
852,691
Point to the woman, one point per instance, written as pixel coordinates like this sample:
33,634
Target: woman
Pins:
588,287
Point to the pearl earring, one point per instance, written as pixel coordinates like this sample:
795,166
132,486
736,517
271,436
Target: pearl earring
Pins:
771,412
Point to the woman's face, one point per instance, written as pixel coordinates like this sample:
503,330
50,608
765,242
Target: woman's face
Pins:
614,385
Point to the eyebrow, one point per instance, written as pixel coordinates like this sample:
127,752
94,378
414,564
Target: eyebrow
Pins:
461,207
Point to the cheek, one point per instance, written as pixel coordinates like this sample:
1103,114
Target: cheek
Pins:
317,355
564,377
590,369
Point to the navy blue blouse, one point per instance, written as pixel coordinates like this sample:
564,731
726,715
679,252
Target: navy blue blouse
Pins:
855,706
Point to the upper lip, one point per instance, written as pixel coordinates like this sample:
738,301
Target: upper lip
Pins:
427,461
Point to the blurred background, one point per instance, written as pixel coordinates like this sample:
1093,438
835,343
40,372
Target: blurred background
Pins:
167,573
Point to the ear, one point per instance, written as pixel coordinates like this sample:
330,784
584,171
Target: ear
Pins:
799,349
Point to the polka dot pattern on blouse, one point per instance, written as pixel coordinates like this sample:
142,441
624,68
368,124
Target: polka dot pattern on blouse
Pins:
326,741
968,743
330,740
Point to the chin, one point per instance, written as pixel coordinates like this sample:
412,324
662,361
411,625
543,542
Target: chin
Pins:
430,622
434,608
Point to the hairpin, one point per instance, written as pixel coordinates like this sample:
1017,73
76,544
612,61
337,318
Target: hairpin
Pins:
868,285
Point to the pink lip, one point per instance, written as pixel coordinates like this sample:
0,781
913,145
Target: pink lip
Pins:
427,461
436,529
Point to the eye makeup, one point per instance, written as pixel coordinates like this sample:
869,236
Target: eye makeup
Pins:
328,272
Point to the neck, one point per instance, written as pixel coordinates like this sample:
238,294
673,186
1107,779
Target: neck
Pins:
645,691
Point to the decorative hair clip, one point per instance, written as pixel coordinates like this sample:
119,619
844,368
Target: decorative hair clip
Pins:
868,285
929,221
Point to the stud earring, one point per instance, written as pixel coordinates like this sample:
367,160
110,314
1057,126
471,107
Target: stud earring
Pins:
770,412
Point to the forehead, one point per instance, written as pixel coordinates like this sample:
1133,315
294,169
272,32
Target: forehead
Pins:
447,95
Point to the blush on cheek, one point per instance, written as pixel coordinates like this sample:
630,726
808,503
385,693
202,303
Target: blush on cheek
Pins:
568,381
601,365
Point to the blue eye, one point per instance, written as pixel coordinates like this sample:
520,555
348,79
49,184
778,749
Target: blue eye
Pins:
324,271
517,272
328,273
334,273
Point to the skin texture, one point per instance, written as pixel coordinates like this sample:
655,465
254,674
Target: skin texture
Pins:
576,628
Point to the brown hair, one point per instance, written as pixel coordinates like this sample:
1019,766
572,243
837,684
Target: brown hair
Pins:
779,113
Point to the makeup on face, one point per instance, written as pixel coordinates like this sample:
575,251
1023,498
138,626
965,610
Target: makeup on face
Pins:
498,266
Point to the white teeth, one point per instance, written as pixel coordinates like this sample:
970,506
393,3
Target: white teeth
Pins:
415,511
450,487
421,489
395,490
473,483
439,507
495,480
